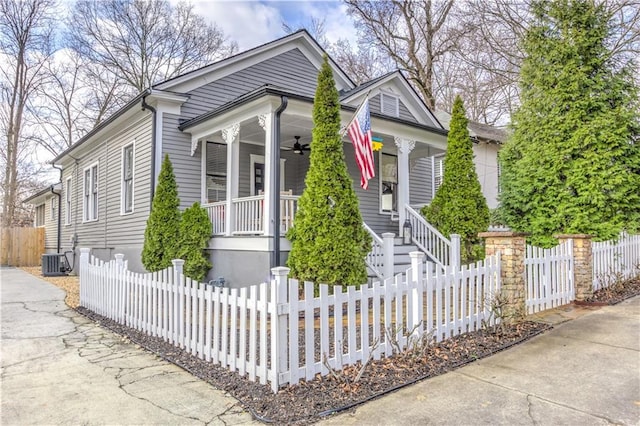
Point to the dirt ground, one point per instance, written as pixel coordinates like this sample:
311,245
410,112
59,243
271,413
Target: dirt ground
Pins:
70,284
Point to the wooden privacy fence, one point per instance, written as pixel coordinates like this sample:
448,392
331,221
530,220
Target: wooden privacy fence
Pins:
615,260
549,277
280,332
21,246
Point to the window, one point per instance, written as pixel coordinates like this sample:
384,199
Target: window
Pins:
90,203
389,104
216,172
54,208
389,182
39,215
67,201
438,172
127,180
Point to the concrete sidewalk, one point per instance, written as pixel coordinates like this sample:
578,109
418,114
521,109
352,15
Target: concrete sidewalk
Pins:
586,371
57,367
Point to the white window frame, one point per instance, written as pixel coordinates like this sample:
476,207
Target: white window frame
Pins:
254,158
67,200
123,185
90,200
36,222
391,211
437,163
52,208
391,97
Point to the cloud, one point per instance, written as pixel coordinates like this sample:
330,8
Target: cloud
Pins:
251,23
248,23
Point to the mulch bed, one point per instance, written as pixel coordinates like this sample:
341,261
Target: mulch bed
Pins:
616,293
308,402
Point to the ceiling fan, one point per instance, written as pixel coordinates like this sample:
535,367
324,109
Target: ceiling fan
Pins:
299,148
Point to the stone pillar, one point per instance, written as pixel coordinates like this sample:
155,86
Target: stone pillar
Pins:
511,246
582,264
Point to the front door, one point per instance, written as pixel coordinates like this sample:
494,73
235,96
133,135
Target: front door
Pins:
258,178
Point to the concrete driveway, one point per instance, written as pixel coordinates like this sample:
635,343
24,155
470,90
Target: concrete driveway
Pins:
57,367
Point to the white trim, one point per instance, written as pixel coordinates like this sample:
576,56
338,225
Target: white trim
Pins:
93,215
255,158
133,178
68,200
52,208
204,196
42,205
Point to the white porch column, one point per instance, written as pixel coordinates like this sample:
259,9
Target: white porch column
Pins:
266,122
405,146
230,136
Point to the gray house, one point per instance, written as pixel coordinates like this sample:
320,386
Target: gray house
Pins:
237,132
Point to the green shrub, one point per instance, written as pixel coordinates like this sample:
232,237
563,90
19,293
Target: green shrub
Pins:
163,226
328,240
459,206
195,232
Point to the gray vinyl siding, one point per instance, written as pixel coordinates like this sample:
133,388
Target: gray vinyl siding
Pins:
420,185
186,167
374,105
128,229
290,70
112,232
50,225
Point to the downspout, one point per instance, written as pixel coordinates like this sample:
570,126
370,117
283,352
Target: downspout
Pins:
59,194
275,166
146,106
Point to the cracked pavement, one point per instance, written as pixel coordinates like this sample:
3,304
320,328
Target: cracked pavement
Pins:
58,367
586,371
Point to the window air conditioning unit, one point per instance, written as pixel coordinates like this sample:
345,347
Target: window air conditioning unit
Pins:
54,265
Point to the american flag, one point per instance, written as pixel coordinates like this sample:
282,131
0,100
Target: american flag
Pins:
360,134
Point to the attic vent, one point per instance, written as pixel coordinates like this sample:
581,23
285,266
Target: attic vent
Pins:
389,104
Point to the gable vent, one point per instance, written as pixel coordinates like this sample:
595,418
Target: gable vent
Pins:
389,104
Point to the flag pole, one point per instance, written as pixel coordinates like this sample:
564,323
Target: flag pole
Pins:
345,128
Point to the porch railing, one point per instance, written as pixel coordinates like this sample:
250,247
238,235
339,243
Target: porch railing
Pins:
441,250
375,258
248,218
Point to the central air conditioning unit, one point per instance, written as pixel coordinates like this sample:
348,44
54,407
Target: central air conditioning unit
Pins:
54,265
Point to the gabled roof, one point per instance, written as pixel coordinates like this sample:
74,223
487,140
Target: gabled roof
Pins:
267,90
478,131
42,195
300,39
416,104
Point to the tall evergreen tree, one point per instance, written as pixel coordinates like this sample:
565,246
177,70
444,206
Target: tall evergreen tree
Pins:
459,206
573,162
328,241
163,226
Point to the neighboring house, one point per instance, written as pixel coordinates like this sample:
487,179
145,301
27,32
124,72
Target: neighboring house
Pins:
227,128
487,141
47,205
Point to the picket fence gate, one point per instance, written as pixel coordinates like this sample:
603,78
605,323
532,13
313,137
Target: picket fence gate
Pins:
615,260
281,332
549,276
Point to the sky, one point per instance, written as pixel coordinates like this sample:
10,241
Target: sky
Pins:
251,23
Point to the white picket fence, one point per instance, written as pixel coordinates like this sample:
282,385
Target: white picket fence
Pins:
549,277
279,332
614,260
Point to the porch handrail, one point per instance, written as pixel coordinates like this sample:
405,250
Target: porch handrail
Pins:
375,258
439,248
217,214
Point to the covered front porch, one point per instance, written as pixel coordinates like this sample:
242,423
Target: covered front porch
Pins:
255,156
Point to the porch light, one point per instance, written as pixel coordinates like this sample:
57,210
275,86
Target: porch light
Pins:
406,232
